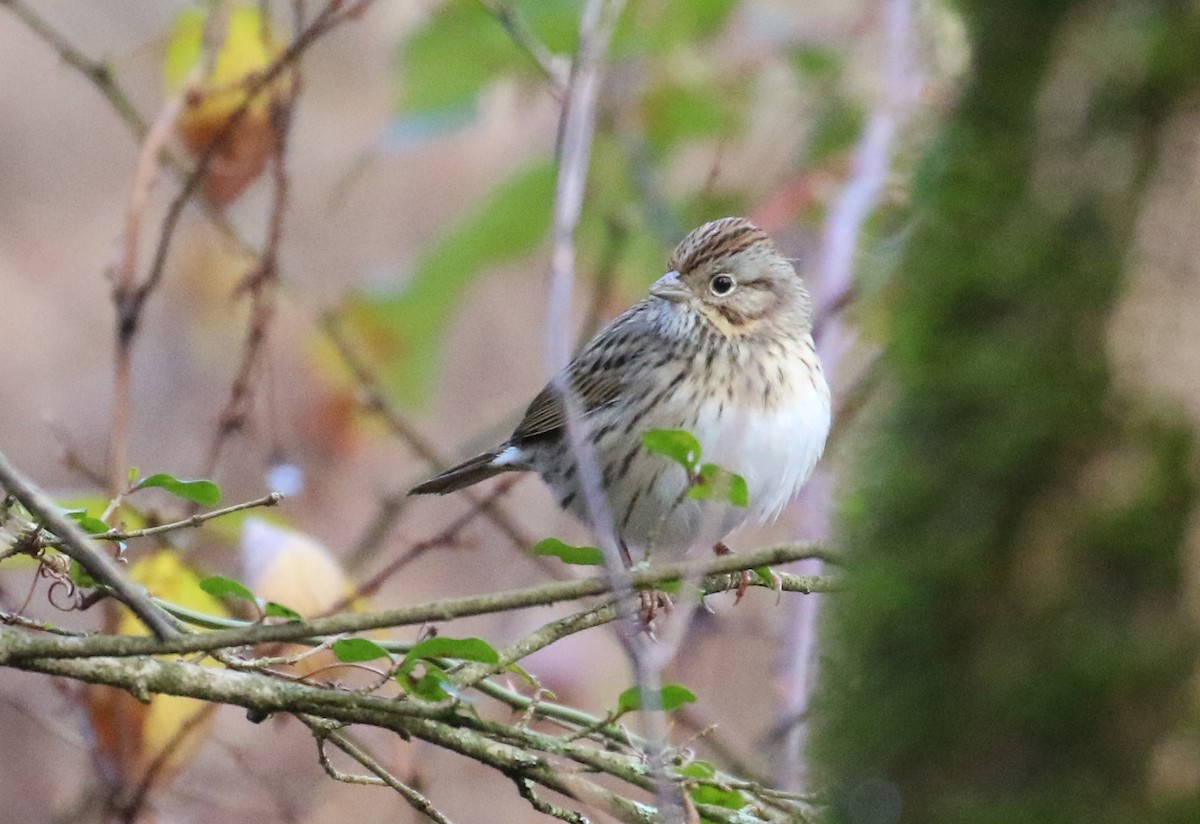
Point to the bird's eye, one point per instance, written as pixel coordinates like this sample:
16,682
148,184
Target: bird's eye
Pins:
721,285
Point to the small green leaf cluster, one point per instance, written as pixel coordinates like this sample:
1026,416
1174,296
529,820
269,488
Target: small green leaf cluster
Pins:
670,697
219,586
205,493
708,480
422,671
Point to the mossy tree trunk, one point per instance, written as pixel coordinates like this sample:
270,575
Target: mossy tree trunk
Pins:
1013,645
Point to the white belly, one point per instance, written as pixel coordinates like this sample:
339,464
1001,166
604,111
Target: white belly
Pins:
774,450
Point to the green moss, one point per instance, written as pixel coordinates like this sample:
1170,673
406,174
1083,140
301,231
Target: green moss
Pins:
1012,630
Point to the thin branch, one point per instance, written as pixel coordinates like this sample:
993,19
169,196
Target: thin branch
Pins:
129,809
525,788
329,17
194,521
124,274
79,547
17,620
472,674
100,75
95,71
446,537
376,400
525,40
262,282
715,572
379,774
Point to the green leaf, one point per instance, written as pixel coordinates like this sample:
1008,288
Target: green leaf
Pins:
835,131
679,445
470,649
718,796
709,793
819,63
274,609
716,482
674,113
351,650
205,493
670,697
656,27
221,587
432,685
448,61
697,769
81,577
529,679
582,555
403,330
89,523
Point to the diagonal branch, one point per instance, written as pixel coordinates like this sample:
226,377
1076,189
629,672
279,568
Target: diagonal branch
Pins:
93,70
76,544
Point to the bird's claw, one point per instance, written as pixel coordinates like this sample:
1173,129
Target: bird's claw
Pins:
747,581
652,601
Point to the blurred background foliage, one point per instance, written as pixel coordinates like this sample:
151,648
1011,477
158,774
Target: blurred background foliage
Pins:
667,103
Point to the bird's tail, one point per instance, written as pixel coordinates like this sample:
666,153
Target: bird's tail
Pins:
467,473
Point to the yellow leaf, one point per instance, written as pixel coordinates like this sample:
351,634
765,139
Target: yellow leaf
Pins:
248,48
292,569
134,735
166,576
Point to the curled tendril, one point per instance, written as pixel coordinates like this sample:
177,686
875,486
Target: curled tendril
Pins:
63,593
70,592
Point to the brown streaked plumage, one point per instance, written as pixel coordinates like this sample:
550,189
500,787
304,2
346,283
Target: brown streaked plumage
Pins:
722,347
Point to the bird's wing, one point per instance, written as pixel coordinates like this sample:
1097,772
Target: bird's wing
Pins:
597,377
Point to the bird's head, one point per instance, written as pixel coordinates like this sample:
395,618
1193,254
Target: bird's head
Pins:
730,272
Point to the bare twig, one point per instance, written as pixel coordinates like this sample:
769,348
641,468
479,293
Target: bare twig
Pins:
262,282
95,71
124,274
334,13
380,776
444,538
576,130
130,808
79,547
186,523
527,41
525,788
375,399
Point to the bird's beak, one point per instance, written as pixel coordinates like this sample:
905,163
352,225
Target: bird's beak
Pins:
669,287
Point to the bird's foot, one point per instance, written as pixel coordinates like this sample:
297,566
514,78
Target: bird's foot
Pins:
653,602
747,577
747,580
